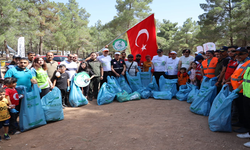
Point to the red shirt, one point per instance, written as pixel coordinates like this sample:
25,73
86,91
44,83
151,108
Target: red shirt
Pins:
12,93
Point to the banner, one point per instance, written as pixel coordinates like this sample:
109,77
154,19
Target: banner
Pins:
199,49
21,47
142,38
209,46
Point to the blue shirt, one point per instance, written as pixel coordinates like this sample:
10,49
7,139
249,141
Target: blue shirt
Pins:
23,76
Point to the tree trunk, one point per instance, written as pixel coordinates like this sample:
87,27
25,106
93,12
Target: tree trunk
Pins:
30,45
41,45
6,50
230,26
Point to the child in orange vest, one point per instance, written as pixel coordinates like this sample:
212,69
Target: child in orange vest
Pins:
182,76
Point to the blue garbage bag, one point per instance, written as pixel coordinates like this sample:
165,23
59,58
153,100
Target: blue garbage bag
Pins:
106,94
145,94
168,85
192,94
165,95
134,96
52,105
123,84
145,77
134,81
122,96
111,81
220,115
31,111
76,98
183,92
207,82
203,101
153,86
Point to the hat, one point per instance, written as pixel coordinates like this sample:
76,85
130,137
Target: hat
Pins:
105,49
197,53
241,49
61,65
173,52
138,55
130,55
117,53
198,57
159,50
16,56
147,56
223,49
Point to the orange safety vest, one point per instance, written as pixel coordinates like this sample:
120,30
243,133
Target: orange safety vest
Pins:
237,76
209,71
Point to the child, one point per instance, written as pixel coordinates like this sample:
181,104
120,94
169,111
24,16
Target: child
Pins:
4,114
192,76
12,95
61,80
84,67
182,76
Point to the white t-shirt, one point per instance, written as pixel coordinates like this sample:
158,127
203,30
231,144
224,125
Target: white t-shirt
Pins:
71,68
172,66
106,62
132,68
186,61
160,63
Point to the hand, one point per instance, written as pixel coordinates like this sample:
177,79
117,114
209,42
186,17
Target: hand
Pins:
68,88
222,83
101,78
123,73
33,81
217,83
14,111
106,46
152,70
52,87
201,79
117,75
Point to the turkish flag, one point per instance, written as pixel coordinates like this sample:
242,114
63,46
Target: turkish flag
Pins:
142,38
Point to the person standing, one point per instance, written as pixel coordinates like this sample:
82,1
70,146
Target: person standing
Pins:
217,54
31,57
159,65
185,60
71,66
118,66
131,66
172,66
123,56
208,65
51,65
198,59
96,67
75,59
147,64
139,61
105,59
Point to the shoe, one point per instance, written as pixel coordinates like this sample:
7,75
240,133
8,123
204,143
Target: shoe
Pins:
244,136
7,137
90,99
241,130
17,132
237,124
247,144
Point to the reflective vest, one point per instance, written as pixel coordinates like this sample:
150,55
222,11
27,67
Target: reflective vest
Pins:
42,78
246,83
198,72
232,65
237,76
209,71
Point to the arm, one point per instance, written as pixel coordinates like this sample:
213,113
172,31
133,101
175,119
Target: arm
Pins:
221,76
101,73
87,59
179,65
124,69
8,98
54,83
68,82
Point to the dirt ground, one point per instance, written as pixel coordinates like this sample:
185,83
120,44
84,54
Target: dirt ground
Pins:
136,125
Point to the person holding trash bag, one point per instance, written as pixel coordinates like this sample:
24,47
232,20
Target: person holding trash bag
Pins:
147,64
159,65
172,66
118,65
208,65
236,80
185,60
131,66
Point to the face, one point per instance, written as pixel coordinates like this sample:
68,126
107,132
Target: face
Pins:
217,55
50,56
117,56
75,58
17,60
130,59
173,55
70,58
2,95
241,56
194,65
105,53
148,58
13,85
40,61
62,69
93,56
123,55
231,52
223,54
186,53
138,57
31,57
159,53
182,71
23,64
209,55
83,65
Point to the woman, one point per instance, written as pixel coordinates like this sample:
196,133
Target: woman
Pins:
39,71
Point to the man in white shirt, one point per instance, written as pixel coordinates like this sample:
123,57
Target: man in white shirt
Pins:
71,66
105,59
172,66
185,60
131,66
159,65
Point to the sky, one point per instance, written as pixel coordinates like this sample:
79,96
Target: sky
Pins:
173,10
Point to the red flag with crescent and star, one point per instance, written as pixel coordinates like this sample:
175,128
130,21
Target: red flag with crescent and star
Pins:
142,38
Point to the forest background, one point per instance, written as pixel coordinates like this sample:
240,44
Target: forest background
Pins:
47,25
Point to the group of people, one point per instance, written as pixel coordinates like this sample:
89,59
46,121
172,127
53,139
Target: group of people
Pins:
227,65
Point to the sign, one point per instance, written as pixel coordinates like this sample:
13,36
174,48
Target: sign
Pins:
209,46
82,79
199,49
21,47
119,44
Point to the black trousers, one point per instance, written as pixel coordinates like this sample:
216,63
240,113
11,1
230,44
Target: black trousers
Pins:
172,77
64,97
157,76
85,90
13,126
44,92
93,87
105,75
246,102
239,103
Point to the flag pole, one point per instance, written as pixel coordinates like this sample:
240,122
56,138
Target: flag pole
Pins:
125,31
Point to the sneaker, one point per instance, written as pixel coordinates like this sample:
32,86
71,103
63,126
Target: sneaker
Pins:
241,130
244,136
247,144
17,132
90,98
7,137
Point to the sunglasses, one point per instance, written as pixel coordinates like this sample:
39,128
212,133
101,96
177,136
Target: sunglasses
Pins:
240,54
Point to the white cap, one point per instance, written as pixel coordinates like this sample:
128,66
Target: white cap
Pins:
117,53
197,53
173,52
105,49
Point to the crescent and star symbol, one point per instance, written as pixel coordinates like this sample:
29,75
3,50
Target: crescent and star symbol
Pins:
139,33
